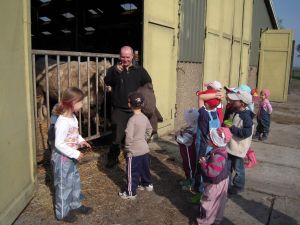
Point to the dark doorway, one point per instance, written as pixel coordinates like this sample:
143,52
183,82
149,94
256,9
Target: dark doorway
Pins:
86,25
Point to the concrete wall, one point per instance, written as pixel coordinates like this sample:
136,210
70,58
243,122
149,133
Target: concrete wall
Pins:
189,79
260,20
17,138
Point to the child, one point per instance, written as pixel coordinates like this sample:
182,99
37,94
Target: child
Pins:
208,119
215,176
263,116
65,157
138,130
241,130
186,140
204,96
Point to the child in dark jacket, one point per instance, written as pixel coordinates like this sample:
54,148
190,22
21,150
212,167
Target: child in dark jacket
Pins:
241,129
215,176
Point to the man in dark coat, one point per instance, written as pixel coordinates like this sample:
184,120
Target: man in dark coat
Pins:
123,79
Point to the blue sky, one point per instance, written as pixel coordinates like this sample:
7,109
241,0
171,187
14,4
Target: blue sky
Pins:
289,12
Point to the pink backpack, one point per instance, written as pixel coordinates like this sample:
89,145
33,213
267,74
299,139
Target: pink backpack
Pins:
250,159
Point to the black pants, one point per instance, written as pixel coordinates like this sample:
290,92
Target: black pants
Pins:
119,120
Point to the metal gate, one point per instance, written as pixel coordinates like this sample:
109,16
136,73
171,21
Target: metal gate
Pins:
54,71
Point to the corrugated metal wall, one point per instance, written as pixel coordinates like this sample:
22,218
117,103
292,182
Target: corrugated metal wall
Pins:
227,42
191,31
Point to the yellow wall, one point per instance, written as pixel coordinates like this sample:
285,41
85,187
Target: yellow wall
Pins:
17,142
160,55
227,42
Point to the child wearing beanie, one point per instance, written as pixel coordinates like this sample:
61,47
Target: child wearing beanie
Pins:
263,116
215,176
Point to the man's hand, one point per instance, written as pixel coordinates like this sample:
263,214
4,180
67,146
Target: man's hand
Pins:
120,67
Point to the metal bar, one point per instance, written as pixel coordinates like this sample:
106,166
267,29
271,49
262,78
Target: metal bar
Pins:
105,113
58,78
97,97
69,79
89,95
34,100
79,65
47,89
68,53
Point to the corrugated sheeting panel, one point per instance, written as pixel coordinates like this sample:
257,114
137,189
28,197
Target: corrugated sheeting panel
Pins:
191,31
228,38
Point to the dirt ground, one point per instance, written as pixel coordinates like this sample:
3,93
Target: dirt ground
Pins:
167,204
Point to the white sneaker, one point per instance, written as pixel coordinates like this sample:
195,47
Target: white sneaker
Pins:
148,187
124,195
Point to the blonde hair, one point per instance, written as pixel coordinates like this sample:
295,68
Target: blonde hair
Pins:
70,96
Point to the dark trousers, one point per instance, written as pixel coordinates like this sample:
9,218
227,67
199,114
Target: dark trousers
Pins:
263,123
138,172
119,122
236,164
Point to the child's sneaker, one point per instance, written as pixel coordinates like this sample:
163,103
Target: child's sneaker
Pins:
83,210
196,198
148,187
124,195
70,218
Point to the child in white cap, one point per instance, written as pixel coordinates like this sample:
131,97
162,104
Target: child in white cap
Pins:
215,176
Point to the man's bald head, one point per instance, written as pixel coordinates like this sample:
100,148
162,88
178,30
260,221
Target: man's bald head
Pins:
126,49
126,56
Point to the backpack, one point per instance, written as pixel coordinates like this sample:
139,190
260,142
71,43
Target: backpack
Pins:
223,175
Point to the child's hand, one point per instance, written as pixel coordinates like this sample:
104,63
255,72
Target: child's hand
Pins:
220,95
85,144
202,159
80,156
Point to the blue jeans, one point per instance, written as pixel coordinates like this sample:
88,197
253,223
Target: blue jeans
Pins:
236,164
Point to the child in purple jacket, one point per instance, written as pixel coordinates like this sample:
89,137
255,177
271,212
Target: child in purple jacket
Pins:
215,175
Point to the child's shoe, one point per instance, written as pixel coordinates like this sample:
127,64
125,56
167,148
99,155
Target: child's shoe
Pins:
148,187
83,210
256,136
264,137
70,218
124,195
196,198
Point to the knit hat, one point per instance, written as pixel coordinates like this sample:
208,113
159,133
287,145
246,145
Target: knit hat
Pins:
266,92
220,136
216,85
191,117
136,99
242,96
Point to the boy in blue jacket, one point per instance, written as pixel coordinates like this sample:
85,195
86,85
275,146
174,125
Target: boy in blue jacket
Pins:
241,129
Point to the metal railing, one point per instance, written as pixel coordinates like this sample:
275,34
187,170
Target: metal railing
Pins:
51,79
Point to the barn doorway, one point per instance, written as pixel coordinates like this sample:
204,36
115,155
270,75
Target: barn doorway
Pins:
87,25
83,28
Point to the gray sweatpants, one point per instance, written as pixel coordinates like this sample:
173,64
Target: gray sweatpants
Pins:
66,184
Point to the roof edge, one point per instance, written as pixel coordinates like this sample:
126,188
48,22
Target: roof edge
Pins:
272,14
